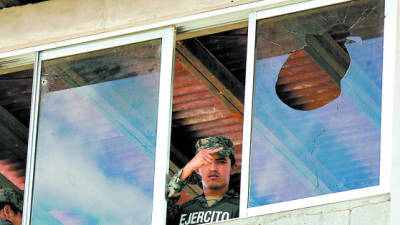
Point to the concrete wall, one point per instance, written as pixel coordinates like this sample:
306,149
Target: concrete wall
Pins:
56,20
366,211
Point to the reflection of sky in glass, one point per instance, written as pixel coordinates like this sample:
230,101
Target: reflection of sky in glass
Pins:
95,152
297,154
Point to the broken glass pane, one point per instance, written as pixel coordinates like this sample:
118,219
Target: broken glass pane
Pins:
332,144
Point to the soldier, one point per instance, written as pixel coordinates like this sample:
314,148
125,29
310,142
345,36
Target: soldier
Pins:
214,162
11,203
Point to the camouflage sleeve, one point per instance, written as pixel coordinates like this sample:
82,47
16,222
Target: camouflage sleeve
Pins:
174,189
5,222
176,185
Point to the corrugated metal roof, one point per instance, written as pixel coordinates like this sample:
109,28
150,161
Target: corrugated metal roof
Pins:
303,84
200,113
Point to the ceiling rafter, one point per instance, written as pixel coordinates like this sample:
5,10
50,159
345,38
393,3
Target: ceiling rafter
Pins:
5,182
13,131
13,139
198,65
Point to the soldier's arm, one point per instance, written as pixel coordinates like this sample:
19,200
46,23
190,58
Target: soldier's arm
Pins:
176,185
180,179
174,189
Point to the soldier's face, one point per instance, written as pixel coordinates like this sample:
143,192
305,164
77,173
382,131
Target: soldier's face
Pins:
216,175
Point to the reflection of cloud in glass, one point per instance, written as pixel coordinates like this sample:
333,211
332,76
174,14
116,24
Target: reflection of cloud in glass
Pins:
70,218
274,175
88,169
298,154
70,179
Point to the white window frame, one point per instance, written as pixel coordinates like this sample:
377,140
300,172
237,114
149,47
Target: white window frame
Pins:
187,26
386,128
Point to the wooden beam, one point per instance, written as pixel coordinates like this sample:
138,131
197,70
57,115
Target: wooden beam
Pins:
69,76
209,30
16,63
14,135
198,69
328,54
325,51
215,71
178,155
11,144
13,124
5,183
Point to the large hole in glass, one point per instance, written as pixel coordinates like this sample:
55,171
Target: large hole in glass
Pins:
310,77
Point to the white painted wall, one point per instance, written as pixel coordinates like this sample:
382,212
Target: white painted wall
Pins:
57,20
366,211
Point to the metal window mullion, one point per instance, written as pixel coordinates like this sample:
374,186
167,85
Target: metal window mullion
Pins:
163,127
390,159
388,94
248,111
31,153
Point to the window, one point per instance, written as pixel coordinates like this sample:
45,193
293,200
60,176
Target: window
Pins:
316,116
98,127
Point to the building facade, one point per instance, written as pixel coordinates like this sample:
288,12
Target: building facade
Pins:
103,100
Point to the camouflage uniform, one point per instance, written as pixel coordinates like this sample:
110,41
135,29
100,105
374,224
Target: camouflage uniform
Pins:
5,222
197,210
9,195
176,185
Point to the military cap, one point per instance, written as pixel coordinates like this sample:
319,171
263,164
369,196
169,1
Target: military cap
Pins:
217,142
9,195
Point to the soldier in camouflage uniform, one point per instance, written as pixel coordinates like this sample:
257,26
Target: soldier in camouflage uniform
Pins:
214,162
11,203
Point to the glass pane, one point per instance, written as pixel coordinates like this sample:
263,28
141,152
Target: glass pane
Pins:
317,108
97,136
